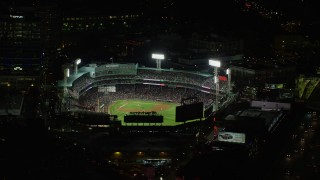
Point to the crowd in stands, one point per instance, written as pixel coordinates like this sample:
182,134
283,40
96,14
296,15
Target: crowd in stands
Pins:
147,74
82,82
89,100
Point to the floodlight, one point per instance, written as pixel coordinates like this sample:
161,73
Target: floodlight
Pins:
158,56
67,72
229,79
78,61
214,63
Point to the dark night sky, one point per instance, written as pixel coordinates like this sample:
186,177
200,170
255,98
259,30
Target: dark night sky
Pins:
223,12
188,8
217,10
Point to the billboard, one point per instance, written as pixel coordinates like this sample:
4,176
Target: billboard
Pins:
107,89
223,78
274,86
232,137
111,88
189,112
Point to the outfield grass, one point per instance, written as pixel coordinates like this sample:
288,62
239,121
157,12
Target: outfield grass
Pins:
167,109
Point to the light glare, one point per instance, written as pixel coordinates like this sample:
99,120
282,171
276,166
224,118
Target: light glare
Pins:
68,72
78,61
158,56
214,63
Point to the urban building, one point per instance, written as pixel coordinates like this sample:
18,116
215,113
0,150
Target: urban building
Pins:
248,124
21,46
28,33
307,90
261,72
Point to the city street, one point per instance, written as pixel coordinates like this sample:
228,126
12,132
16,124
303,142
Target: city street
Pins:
299,157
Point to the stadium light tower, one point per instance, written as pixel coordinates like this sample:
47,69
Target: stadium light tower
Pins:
216,64
158,58
229,80
66,74
76,63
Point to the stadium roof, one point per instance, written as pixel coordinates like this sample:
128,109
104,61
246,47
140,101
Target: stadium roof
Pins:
88,69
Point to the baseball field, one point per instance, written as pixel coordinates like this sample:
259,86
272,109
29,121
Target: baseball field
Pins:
167,109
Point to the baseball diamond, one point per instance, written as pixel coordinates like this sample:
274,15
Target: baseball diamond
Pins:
166,109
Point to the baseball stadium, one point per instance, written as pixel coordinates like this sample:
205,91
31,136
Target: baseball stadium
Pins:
142,105
124,89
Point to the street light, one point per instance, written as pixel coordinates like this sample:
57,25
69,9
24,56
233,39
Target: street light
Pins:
216,64
76,63
158,58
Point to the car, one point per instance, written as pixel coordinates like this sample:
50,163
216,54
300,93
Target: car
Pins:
226,136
